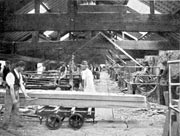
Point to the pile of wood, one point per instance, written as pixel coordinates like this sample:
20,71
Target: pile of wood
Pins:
81,99
50,81
47,80
41,83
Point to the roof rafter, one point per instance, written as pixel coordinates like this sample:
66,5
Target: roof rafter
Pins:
91,21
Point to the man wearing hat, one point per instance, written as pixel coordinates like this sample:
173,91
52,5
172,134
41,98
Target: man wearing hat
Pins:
87,78
14,82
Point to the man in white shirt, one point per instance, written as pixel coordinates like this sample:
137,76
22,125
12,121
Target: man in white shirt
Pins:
14,82
87,78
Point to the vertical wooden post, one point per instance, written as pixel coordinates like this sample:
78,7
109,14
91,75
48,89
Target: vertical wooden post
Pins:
152,7
71,36
37,6
72,11
35,35
2,8
13,48
158,89
71,72
58,36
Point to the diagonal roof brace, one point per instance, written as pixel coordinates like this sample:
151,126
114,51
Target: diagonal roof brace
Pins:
122,50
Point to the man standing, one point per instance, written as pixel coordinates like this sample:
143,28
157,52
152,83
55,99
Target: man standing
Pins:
62,71
164,72
87,78
14,83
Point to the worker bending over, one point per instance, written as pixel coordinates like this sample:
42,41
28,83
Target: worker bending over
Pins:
14,82
87,78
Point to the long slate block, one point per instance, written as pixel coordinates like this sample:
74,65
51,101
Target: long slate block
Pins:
82,99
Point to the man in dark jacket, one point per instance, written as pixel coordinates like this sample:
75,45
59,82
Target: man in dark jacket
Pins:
14,83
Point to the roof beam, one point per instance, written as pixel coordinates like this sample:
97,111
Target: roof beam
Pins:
127,45
19,57
148,45
91,21
113,2
35,35
102,8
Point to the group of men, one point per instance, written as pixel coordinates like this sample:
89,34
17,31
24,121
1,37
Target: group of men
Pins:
14,83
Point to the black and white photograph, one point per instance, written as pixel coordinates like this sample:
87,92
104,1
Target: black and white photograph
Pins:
89,67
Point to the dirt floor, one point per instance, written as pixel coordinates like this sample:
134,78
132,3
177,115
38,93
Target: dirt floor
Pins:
109,122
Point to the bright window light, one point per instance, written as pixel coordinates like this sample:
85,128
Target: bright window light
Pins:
143,33
31,12
42,10
133,37
140,7
119,38
64,37
2,65
47,33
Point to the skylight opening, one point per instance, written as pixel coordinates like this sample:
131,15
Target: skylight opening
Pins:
119,38
64,37
42,10
48,33
140,7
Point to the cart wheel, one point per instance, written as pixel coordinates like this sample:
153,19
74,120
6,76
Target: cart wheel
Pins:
76,121
53,121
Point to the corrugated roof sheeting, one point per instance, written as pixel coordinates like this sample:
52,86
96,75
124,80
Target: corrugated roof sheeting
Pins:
54,6
15,36
152,36
58,6
165,7
26,8
174,35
